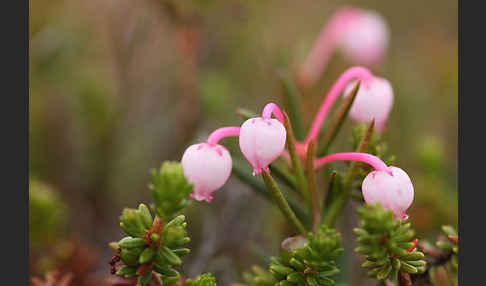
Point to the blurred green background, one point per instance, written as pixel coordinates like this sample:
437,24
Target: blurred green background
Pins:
116,87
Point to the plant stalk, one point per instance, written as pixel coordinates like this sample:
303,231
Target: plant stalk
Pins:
294,156
312,186
258,187
282,203
340,202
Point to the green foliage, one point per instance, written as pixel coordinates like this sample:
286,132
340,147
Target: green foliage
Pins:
308,261
450,245
387,244
202,280
170,190
47,214
151,245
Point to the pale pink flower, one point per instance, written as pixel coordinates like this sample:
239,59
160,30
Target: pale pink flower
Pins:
207,167
361,35
389,186
262,141
394,191
373,101
365,39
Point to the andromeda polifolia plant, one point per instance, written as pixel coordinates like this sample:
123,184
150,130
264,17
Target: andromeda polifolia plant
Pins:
282,165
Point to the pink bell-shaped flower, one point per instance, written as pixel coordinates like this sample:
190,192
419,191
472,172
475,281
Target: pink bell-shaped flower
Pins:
373,101
394,191
207,167
262,141
365,39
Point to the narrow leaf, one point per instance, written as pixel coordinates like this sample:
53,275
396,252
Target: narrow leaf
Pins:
291,95
294,156
282,202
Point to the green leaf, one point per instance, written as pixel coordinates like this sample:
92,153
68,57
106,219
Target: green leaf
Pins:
383,273
182,251
282,202
130,256
170,256
408,268
340,202
382,242
294,156
131,242
170,189
131,222
127,271
291,95
147,255
308,263
145,215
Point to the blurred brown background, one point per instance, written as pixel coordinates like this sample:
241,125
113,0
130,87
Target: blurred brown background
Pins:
116,87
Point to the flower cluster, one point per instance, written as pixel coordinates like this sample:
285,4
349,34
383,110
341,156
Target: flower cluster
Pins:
262,139
152,251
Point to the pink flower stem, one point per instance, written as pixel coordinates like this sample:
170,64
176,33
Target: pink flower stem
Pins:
374,161
272,108
321,52
360,73
221,133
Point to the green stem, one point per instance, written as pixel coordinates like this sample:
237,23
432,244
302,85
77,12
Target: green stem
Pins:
259,187
337,121
330,190
282,202
340,202
287,178
311,179
294,156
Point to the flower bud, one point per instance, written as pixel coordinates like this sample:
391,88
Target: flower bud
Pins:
207,167
365,39
262,141
394,191
373,101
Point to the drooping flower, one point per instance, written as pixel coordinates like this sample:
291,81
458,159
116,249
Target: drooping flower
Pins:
361,35
394,191
365,38
373,101
207,167
389,186
262,139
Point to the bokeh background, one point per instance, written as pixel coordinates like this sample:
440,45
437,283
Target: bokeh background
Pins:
118,86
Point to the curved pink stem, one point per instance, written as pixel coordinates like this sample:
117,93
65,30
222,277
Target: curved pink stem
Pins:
221,133
272,108
325,44
374,161
360,73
